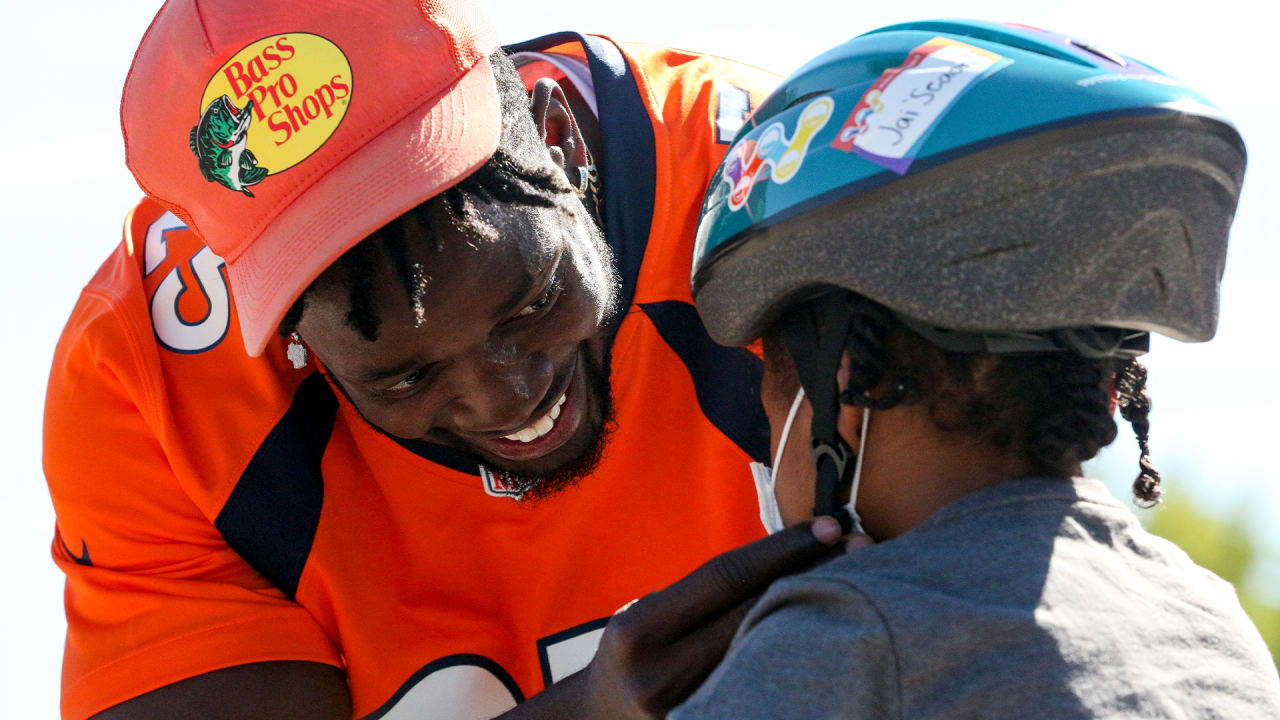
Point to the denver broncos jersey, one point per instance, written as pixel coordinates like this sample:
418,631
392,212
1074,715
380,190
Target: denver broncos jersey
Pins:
215,509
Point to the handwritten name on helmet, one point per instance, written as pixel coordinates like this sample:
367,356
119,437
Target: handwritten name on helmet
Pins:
293,89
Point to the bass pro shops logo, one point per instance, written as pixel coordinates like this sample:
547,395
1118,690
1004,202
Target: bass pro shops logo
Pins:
270,107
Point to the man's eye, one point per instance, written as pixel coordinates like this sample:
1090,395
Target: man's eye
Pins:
408,382
544,300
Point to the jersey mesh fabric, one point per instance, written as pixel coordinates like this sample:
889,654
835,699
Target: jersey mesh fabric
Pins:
403,568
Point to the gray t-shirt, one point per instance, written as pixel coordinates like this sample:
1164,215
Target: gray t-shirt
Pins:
1028,599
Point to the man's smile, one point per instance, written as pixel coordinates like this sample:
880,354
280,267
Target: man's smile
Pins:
555,422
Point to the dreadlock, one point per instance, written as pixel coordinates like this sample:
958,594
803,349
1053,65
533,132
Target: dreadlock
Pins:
1131,390
516,174
1055,408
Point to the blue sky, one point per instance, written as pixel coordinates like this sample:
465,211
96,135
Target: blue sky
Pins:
65,191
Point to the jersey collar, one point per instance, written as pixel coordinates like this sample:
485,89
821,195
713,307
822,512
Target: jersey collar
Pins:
629,168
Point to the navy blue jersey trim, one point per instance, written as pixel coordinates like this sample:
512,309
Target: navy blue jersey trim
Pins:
81,559
629,168
271,517
543,43
726,380
544,657
440,455
479,661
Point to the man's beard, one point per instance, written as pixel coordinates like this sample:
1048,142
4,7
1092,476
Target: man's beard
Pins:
535,486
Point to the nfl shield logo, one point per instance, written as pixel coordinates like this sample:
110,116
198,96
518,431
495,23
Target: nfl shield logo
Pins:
497,484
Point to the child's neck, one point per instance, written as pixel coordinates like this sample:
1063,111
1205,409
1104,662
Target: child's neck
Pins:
912,469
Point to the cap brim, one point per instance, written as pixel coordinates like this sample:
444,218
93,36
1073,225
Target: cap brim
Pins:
430,150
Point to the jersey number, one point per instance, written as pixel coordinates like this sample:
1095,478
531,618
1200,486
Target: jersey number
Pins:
475,687
173,331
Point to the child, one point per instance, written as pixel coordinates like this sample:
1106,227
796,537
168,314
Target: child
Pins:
954,239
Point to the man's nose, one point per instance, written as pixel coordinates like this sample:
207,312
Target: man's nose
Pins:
503,386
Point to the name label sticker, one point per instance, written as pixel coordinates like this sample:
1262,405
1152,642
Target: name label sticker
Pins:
895,115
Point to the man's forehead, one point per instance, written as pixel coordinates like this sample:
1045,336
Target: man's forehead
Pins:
465,280
533,233
439,248
527,239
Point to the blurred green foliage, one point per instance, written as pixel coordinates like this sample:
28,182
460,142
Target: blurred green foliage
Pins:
1224,545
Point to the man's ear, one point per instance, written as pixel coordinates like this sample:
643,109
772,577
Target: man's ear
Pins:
560,132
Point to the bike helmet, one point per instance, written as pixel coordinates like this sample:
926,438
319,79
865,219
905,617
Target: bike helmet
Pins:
975,176
996,187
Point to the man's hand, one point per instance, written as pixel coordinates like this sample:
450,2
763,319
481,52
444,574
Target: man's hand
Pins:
661,648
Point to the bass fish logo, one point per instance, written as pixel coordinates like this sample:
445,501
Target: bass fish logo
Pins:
219,144
271,106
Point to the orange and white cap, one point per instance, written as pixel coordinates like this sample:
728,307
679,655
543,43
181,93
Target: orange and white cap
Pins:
285,132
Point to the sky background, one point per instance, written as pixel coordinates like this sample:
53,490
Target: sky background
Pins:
64,192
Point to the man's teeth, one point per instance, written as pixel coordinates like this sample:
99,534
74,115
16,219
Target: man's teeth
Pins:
540,427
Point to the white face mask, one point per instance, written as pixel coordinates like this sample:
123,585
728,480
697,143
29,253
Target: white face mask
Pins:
766,496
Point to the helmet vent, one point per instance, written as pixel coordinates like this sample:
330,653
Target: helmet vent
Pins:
1104,54
808,96
1008,36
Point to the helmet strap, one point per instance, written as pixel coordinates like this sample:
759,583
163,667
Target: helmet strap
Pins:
816,333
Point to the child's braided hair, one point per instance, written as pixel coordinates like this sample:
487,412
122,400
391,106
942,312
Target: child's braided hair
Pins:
1056,407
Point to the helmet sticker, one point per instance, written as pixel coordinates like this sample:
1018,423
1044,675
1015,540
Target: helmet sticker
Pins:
773,156
269,107
895,115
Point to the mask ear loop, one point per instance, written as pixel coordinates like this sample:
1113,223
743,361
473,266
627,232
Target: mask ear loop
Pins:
786,430
766,480
857,472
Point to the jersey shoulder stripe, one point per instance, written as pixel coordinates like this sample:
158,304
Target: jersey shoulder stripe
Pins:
274,510
651,149
726,380
630,173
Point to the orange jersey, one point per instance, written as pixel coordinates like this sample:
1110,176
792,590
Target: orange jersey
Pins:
216,509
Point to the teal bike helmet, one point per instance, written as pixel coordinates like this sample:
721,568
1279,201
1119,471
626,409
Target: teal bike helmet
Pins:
996,187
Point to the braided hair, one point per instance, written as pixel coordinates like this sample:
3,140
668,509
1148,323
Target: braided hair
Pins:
517,174
1054,408
1135,404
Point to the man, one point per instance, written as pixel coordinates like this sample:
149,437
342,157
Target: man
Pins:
327,527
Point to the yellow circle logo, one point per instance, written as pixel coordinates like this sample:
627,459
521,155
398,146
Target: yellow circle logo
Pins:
269,107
